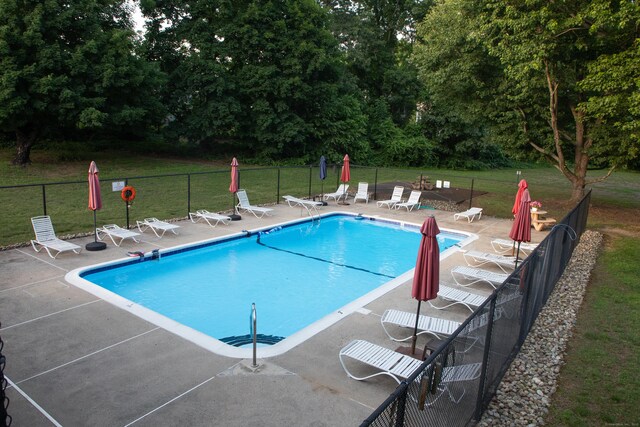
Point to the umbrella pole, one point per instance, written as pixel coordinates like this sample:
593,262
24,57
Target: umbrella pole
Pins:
95,226
415,331
517,254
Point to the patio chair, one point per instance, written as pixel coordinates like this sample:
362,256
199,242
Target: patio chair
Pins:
396,197
452,296
414,200
504,246
477,275
211,218
114,231
478,259
469,214
309,205
435,326
244,205
46,238
362,193
339,193
455,374
158,227
388,362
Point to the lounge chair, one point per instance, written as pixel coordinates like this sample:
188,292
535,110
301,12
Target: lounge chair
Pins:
478,259
310,205
211,218
388,362
362,193
470,214
455,374
244,205
435,326
396,197
504,246
47,239
114,231
452,296
339,193
414,200
477,275
158,227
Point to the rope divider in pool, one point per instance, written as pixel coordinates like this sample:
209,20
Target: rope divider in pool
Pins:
311,257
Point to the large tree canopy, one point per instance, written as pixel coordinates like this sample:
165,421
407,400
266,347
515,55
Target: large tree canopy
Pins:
70,65
558,77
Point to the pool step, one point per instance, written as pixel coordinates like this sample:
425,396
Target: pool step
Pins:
242,340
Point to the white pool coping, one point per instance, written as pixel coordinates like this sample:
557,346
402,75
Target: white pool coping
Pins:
216,346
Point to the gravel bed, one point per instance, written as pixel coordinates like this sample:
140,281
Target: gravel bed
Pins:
524,395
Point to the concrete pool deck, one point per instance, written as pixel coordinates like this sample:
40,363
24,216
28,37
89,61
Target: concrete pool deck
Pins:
75,360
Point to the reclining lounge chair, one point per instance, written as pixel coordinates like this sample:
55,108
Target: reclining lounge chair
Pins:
362,193
414,201
478,259
452,296
158,227
476,275
396,197
338,194
470,214
47,239
435,326
244,205
504,246
114,231
211,218
309,205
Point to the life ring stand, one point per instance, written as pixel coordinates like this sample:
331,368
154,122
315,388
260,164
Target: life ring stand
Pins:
128,194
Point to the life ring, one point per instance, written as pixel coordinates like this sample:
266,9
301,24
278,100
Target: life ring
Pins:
128,193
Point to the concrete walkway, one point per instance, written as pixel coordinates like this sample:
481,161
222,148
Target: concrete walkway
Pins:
75,360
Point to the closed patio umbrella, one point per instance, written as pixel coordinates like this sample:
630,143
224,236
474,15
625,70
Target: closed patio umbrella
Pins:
523,188
426,278
521,228
95,203
233,189
345,175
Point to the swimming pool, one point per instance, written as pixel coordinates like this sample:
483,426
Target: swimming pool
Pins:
303,276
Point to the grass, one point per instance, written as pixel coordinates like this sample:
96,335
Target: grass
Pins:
599,384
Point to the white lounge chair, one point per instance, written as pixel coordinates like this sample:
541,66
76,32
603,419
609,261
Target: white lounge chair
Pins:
504,246
470,214
310,205
388,362
396,197
476,275
47,239
478,259
455,374
158,227
211,218
114,231
338,194
414,200
452,296
435,326
362,193
244,205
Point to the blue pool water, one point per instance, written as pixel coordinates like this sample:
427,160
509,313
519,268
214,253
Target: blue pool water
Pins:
296,274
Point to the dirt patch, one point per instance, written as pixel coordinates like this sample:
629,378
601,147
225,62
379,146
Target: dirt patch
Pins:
452,195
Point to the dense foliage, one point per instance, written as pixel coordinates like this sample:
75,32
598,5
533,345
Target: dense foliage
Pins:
447,83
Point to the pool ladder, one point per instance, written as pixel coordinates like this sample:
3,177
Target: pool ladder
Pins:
253,325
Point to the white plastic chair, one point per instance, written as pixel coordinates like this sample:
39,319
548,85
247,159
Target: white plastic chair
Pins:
470,214
396,197
477,275
452,296
158,227
388,362
211,218
414,200
243,204
47,239
114,231
362,193
338,194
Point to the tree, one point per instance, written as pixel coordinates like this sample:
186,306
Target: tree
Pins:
70,66
546,69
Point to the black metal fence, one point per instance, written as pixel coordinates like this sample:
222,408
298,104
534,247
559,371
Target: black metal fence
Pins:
457,382
5,418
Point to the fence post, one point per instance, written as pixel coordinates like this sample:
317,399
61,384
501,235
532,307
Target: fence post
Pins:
310,172
126,205
471,196
278,192
485,358
188,193
375,186
44,199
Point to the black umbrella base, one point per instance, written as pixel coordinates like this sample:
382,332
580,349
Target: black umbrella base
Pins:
235,217
417,354
324,203
96,246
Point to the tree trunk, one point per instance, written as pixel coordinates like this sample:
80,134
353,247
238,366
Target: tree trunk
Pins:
25,139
